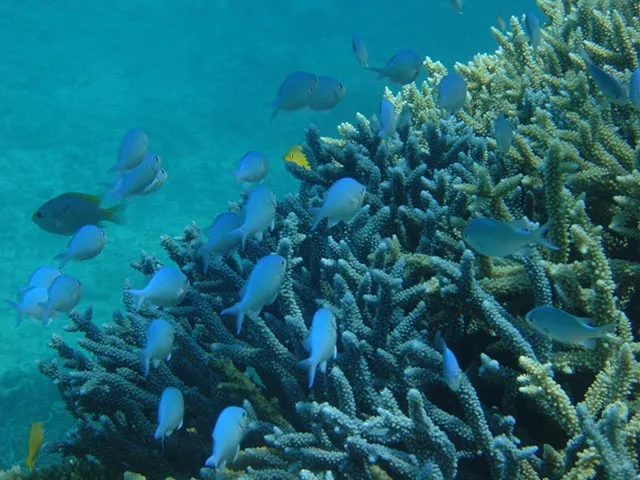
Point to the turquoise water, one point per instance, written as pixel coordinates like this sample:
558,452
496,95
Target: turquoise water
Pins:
75,75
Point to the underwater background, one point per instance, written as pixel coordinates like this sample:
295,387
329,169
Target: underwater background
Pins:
196,77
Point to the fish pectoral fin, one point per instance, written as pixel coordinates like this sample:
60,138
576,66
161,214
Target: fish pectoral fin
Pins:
180,425
258,236
332,222
589,343
235,457
155,362
252,314
168,357
335,352
323,367
520,224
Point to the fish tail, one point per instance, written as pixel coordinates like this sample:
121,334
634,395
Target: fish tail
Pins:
139,294
317,218
115,214
18,310
539,237
238,311
439,343
63,257
310,366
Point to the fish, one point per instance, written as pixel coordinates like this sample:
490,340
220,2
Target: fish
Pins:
30,305
252,168
634,88
294,92
327,94
321,343
87,243
63,297
259,215
261,289
502,24
42,277
133,148
219,243
403,68
229,431
157,183
170,413
532,25
456,5
36,437
563,327
503,133
68,212
452,93
159,344
135,181
388,119
167,288
494,238
360,50
450,369
341,203
609,85
297,156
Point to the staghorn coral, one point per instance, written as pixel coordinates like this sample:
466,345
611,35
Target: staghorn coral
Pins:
394,276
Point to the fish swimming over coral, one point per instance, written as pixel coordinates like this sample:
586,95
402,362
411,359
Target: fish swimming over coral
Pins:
159,344
294,92
36,438
403,68
85,244
296,156
230,428
170,413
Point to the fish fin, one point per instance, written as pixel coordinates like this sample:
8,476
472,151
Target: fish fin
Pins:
317,217
18,310
203,253
439,344
145,362
180,426
26,289
159,435
306,343
168,357
258,236
520,224
323,367
95,199
241,233
310,366
235,457
137,293
523,251
585,320
332,222
48,321
335,352
211,462
272,226
115,214
63,257
253,315
155,362
589,343
238,311
604,330
46,312
538,236
378,70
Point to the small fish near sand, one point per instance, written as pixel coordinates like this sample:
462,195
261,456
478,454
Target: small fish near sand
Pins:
68,212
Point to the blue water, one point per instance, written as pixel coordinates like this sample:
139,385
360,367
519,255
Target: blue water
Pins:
75,75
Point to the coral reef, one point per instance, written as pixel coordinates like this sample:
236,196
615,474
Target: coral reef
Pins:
399,272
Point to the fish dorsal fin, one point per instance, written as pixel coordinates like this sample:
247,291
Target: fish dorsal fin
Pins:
85,196
520,224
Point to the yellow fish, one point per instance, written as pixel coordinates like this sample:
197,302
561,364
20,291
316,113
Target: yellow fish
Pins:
296,156
36,436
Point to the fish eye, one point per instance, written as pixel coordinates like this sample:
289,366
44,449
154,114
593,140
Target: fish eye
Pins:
39,214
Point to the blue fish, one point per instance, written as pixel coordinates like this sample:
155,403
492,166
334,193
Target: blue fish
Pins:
452,93
220,244
231,427
450,369
42,277
360,50
167,288
327,94
403,68
135,181
634,88
170,413
609,85
133,148
87,243
259,215
63,296
503,133
160,338
341,203
388,119
294,92
321,343
532,25
252,168
494,238
261,289
566,328
30,305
